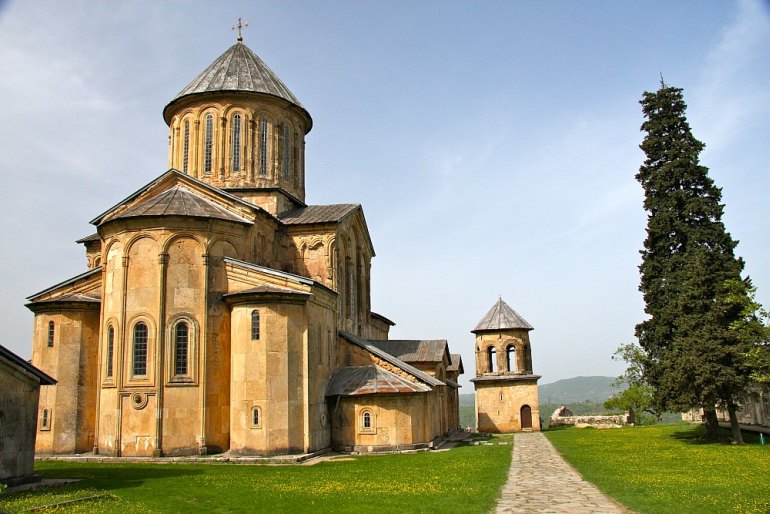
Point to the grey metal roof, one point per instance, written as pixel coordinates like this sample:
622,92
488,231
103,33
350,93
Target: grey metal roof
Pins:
501,317
360,380
184,178
87,274
71,298
180,201
414,350
457,363
239,69
88,239
318,214
383,318
387,357
18,362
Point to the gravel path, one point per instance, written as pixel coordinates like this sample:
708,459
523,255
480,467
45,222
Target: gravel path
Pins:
540,481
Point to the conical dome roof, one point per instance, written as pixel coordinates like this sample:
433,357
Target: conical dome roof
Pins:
501,317
238,69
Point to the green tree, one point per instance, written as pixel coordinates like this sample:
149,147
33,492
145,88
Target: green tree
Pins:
637,398
692,357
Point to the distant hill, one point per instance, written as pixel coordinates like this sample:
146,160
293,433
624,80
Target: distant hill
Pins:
578,389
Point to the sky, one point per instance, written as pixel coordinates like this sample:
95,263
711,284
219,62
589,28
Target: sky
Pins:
493,145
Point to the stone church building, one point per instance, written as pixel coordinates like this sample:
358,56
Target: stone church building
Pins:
220,312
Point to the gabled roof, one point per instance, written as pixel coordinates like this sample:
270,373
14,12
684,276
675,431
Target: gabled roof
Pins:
383,318
238,69
18,362
387,357
360,380
285,275
414,350
501,317
180,201
318,214
182,178
88,274
457,363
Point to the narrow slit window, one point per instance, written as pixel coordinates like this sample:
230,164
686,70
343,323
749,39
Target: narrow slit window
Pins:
255,325
140,350
236,150
263,146
181,348
186,147
208,143
110,349
45,419
51,333
286,151
256,417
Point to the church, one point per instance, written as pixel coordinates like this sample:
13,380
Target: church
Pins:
221,313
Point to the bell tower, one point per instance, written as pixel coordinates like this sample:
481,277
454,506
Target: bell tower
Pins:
506,387
239,128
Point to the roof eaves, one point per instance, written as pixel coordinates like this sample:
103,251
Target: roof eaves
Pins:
45,379
392,359
74,279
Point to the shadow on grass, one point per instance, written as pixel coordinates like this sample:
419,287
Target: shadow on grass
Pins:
694,435
110,477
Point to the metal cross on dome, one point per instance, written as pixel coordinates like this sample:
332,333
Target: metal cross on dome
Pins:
240,27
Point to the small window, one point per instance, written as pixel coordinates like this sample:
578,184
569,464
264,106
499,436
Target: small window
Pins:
181,348
366,421
140,350
256,417
236,150
263,146
110,349
45,419
287,165
51,331
208,143
255,325
186,147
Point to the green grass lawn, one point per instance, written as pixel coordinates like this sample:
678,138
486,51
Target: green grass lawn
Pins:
465,479
665,468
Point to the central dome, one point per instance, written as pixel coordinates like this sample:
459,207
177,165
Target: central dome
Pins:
238,127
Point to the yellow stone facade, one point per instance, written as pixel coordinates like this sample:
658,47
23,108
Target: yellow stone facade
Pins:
218,307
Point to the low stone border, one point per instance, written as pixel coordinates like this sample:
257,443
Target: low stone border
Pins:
189,459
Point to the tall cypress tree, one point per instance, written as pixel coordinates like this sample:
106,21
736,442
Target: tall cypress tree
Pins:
689,271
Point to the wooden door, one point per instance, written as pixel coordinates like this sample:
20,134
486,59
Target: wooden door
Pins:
526,417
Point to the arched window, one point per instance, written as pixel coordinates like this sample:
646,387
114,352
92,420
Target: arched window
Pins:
181,348
263,146
208,143
256,417
110,349
186,147
45,419
236,149
286,151
51,333
367,421
300,160
510,358
491,359
140,350
255,325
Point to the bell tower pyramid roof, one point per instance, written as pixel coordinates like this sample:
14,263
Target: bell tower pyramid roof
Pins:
501,317
238,69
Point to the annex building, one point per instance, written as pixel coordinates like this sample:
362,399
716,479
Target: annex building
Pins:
220,312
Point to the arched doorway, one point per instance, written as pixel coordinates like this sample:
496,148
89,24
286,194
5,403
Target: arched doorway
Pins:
526,417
